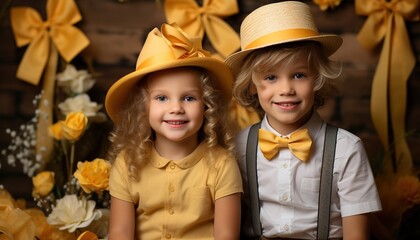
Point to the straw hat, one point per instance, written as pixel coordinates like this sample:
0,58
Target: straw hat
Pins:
168,48
277,23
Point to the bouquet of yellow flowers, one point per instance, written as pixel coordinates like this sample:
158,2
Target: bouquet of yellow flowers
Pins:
84,198
71,194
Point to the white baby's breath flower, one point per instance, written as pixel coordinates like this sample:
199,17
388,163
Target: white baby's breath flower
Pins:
72,213
74,81
82,103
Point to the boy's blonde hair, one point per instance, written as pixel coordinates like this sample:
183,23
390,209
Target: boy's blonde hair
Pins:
286,54
134,135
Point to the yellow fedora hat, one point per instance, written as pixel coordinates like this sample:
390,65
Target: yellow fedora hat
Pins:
278,23
168,48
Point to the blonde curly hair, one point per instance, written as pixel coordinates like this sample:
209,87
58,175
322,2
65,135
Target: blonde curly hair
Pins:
286,54
134,136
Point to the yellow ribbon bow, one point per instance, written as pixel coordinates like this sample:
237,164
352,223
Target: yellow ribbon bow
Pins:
196,20
299,143
396,62
28,28
180,43
169,44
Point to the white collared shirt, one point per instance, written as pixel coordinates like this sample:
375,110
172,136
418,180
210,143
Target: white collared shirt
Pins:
289,188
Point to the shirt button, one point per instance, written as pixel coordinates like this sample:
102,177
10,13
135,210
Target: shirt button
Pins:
285,197
286,227
171,189
172,166
171,211
168,236
284,165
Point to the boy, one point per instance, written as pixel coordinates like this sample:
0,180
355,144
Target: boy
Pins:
283,71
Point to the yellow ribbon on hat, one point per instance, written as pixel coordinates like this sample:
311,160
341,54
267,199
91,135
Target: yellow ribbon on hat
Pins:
45,39
179,45
386,22
196,20
299,143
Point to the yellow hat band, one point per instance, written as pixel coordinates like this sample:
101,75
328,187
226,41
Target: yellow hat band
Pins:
280,36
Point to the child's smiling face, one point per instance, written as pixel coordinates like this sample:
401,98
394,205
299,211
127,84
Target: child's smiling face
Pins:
176,110
286,94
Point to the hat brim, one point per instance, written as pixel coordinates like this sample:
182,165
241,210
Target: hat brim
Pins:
330,44
120,91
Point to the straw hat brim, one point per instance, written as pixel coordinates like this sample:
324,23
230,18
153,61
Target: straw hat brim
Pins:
330,43
120,91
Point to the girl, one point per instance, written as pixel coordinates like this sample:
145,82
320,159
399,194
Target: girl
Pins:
174,175
283,71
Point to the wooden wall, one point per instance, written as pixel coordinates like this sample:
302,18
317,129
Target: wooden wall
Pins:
117,30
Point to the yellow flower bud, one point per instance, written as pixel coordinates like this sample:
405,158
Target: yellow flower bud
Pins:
74,126
43,183
94,175
55,131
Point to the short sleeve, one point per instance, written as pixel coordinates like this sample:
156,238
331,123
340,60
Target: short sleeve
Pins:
228,179
356,185
119,181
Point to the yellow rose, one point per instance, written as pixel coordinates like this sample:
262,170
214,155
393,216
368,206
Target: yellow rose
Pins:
94,175
43,183
74,126
55,131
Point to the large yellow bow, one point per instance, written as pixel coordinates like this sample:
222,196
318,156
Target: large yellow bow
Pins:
396,62
196,20
41,53
299,143
29,28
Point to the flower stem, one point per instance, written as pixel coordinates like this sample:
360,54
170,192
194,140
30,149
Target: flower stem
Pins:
72,149
66,155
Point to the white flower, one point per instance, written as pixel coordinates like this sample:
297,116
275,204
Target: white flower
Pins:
73,81
71,213
82,103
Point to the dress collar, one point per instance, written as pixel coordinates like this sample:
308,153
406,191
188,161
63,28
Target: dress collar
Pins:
159,162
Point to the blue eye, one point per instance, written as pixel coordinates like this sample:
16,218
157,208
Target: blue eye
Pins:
270,77
189,98
299,76
161,98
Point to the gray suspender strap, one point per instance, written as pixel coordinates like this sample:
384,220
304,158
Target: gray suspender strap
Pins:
251,169
324,202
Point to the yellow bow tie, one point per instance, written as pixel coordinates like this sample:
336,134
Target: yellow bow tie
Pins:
299,143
